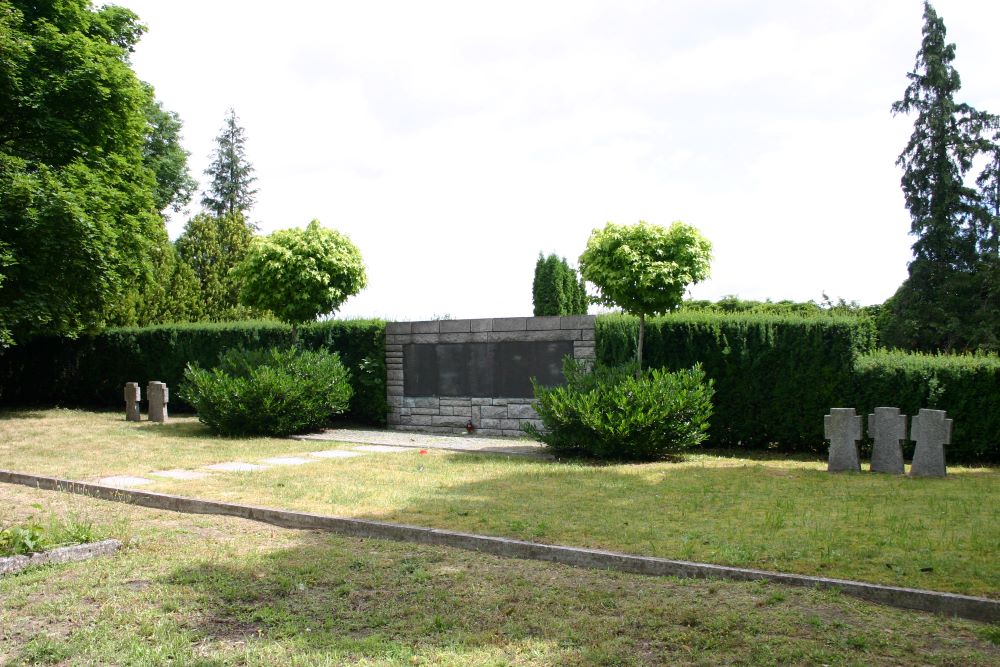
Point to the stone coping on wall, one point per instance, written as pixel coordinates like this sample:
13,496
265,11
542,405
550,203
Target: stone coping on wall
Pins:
490,416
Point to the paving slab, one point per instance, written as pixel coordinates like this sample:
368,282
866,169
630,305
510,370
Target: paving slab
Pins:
381,449
335,454
123,481
473,444
286,461
235,466
178,473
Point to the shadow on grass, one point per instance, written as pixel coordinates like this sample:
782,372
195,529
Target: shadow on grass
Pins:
15,413
178,429
925,533
350,599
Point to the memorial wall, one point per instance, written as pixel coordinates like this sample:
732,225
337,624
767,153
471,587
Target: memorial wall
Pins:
445,375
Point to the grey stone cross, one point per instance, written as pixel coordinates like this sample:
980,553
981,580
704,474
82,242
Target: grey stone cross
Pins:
132,398
842,427
887,427
931,430
158,396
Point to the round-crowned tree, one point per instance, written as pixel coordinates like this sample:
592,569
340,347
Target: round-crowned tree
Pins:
644,269
300,274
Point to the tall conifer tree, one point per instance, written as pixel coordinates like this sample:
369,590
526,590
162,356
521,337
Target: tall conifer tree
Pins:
941,304
230,191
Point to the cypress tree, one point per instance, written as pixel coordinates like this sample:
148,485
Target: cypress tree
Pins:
556,289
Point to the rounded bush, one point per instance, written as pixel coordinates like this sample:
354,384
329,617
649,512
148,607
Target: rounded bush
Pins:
268,392
610,413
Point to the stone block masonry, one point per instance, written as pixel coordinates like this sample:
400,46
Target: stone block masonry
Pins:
442,374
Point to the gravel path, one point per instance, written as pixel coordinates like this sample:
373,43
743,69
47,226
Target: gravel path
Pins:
455,443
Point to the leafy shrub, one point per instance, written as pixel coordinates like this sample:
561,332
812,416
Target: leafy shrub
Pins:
32,535
22,539
268,392
609,413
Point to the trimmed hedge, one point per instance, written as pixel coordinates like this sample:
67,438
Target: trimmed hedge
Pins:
91,371
775,375
966,386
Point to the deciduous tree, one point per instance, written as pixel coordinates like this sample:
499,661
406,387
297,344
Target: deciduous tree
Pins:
644,269
78,223
300,274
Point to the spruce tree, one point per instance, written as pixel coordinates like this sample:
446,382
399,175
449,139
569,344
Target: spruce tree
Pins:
230,192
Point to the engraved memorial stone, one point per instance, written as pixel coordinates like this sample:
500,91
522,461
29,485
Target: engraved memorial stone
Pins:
132,399
931,431
842,427
887,427
158,396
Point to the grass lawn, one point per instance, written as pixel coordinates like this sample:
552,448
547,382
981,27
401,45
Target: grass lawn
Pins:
769,513
202,590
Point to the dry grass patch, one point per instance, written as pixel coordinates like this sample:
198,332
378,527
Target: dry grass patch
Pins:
220,591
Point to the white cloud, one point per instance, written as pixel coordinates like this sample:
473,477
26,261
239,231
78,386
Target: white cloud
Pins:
453,141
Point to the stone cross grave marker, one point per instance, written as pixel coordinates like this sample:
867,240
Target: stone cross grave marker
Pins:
931,430
887,427
842,427
158,396
132,399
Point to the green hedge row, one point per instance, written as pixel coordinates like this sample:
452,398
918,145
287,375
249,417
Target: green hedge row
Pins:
92,370
776,376
966,386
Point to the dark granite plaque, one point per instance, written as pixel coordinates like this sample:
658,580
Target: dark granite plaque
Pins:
482,370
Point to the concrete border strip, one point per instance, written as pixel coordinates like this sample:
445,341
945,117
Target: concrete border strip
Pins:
70,554
951,604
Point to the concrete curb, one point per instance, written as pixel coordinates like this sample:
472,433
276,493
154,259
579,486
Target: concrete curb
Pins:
77,552
951,604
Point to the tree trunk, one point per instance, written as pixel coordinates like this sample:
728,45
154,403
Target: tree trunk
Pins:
642,333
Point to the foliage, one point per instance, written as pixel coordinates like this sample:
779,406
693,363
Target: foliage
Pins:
163,155
268,392
91,370
211,247
87,155
77,220
556,289
645,269
966,386
174,294
613,413
955,270
301,274
34,535
775,376
230,192
733,304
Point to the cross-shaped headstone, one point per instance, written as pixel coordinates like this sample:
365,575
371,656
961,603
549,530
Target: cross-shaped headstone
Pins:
158,396
887,427
842,427
132,398
931,430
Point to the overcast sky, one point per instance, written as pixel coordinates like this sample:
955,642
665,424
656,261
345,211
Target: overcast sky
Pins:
453,141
